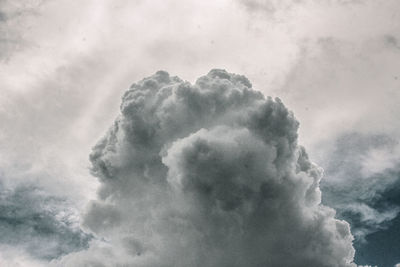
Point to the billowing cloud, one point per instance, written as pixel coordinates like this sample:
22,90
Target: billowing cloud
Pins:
64,64
208,174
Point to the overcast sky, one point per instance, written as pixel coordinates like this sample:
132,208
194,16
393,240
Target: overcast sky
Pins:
64,67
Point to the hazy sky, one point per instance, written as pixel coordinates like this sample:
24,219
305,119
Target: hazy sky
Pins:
64,67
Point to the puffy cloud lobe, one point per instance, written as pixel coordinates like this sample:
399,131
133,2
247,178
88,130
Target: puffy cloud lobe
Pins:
208,174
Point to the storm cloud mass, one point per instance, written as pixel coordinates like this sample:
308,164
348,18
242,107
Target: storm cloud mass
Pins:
208,174
65,64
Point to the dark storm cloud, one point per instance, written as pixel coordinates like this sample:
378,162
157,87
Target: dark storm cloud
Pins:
41,225
208,174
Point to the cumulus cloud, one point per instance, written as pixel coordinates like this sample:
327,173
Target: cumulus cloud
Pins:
38,225
208,174
80,57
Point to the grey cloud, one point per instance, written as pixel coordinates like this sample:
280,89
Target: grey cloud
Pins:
391,41
273,6
363,196
363,184
344,88
12,24
43,226
208,174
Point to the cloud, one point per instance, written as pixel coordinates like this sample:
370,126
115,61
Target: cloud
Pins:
270,7
13,17
363,181
208,174
13,257
69,86
353,138
39,225
337,90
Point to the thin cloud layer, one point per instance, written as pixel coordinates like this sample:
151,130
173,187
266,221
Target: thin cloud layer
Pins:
38,224
208,174
364,181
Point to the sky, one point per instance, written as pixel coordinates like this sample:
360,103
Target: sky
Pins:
70,74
